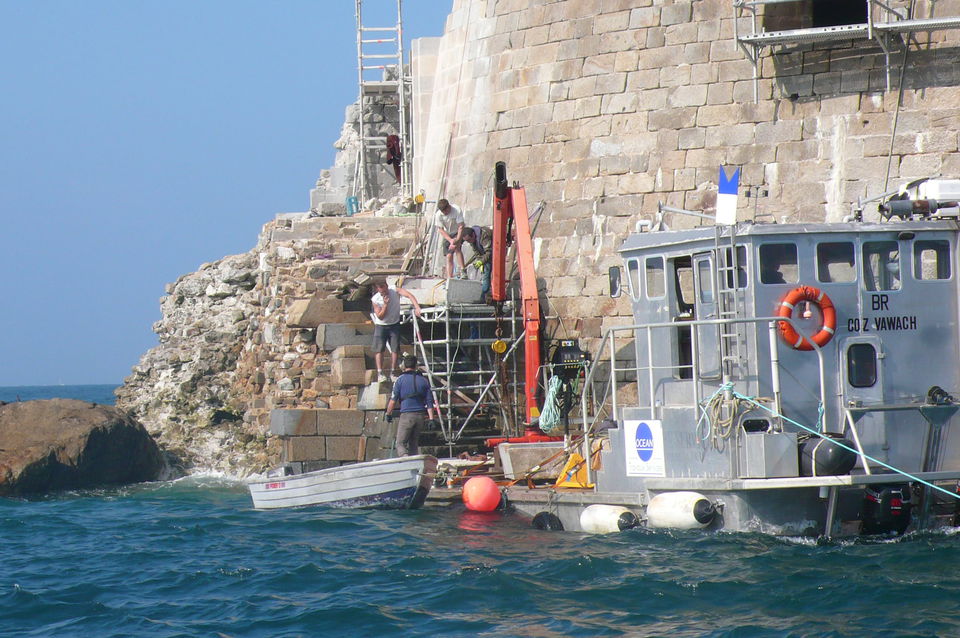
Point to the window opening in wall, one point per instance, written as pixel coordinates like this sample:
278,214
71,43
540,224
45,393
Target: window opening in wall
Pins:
862,365
778,264
832,13
836,262
656,284
931,259
881,265
633,273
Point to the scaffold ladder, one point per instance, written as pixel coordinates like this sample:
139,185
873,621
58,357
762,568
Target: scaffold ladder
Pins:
383,80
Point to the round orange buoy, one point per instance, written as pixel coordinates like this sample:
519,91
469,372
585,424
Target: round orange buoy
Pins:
481,494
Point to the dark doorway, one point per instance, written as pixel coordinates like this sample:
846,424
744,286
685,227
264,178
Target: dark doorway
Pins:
831,13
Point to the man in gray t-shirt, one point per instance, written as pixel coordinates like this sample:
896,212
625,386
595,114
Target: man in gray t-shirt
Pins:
449,223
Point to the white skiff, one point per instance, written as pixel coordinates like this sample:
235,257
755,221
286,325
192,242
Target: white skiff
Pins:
400,483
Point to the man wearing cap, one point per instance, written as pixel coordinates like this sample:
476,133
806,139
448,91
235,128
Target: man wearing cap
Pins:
449,223
412,392
480,238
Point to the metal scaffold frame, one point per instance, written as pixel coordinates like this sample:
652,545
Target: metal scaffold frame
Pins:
469,379
885,25
380,50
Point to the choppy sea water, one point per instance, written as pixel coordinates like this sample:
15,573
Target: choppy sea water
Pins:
192,558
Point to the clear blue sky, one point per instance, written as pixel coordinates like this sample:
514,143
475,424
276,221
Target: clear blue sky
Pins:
141,138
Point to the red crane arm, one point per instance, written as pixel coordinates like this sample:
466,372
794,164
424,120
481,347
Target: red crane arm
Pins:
510,205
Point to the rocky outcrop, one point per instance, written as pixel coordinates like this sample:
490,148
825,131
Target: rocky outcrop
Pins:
182,390
62,444
254,332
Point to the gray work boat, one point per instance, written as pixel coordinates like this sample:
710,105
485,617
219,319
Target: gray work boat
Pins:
778,378
399,483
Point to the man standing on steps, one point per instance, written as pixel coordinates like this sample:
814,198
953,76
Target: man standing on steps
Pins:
386,324
449,223
412,392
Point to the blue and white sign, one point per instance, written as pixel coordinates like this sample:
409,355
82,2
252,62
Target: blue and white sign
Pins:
727,188
643,445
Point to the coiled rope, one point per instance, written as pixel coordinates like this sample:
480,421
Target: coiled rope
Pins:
550,421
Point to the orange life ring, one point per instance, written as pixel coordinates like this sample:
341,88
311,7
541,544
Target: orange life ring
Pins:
814,295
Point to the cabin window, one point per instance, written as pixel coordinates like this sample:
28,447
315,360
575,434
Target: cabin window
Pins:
683,284
778,264
862,365
881,265
633,274
836,262
931,259
738,265
706,281
656,282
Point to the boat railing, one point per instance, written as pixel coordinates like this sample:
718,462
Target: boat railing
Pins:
644,373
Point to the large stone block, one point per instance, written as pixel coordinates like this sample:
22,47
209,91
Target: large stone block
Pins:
344,448
310,313
348,372
293,422
349,352
333,335
304,448
519,458
340,422
432,292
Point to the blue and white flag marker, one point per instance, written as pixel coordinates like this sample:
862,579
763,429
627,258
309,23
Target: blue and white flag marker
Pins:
727,195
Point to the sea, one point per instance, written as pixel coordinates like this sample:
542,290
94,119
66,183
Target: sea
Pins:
191,557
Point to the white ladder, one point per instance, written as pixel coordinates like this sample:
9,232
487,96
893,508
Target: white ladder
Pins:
380,50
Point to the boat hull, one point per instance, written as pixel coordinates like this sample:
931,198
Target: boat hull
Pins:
797,506
401,483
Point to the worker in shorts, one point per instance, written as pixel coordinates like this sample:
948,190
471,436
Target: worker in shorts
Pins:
386,324
448,221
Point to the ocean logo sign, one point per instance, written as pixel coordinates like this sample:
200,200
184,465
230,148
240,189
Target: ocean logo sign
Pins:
643,448
644,441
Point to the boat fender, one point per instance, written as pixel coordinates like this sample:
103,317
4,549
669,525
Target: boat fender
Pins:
604,519
481,494
680,510
547,521
820,457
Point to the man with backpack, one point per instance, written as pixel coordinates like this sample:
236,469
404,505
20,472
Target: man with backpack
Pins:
411,391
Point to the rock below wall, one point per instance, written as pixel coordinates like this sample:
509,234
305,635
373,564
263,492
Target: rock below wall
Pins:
182,389
228,354
62,444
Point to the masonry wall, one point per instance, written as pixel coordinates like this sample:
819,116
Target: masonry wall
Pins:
603,108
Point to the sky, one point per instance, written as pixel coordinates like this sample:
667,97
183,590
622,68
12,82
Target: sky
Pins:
142,138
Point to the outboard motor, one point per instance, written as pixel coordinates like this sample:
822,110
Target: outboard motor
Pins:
886,508
820,457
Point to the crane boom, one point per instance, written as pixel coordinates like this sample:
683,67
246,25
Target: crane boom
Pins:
510,209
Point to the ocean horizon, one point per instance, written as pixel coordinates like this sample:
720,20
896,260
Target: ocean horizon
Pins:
191,557
101,393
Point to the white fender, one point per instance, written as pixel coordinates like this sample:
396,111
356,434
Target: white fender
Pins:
680,510
603,519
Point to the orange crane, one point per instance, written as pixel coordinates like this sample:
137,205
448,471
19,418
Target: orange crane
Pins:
510,219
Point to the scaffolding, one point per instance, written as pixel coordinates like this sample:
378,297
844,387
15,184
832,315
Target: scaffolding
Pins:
474,386
884,24
384,82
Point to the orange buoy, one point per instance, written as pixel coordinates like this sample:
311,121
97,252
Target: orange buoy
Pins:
481,494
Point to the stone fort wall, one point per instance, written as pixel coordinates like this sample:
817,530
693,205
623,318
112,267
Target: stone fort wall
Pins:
603,108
